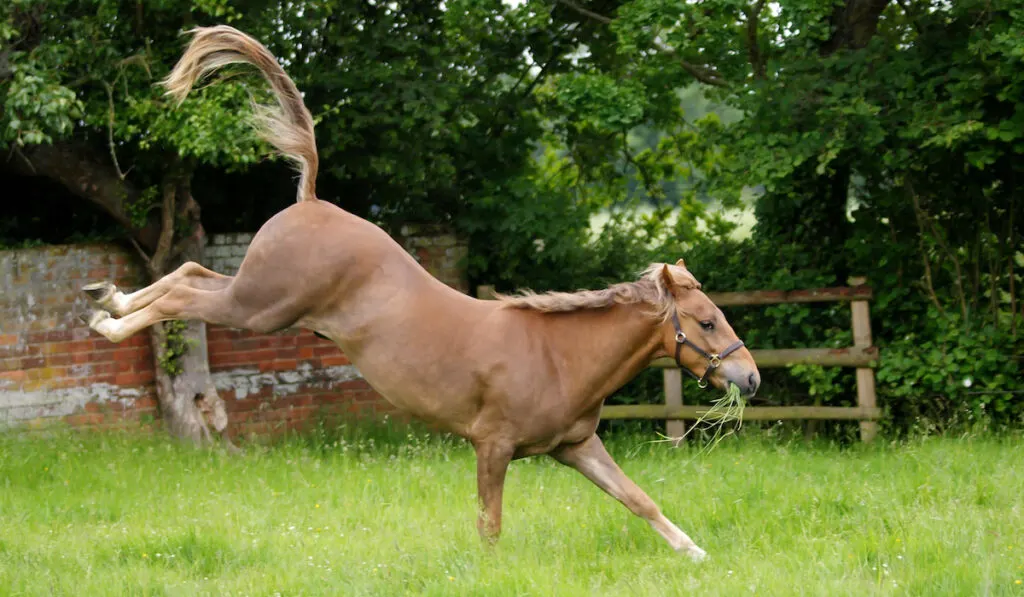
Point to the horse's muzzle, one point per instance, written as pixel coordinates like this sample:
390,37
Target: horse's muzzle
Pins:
753,383
747,380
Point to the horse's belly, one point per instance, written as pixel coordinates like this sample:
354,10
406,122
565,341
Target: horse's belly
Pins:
444,402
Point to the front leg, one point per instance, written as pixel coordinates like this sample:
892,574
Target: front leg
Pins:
492,460
590,458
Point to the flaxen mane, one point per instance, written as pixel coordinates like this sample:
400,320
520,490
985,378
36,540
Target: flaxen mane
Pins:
649,288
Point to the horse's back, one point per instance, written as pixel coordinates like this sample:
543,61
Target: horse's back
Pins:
301,256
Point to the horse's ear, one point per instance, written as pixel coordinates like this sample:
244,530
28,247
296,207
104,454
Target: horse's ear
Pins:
669,281
681,264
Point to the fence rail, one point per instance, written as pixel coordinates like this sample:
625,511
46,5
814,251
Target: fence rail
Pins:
862,356
753,413
840,294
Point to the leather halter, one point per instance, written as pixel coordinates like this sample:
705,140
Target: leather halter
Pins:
714,360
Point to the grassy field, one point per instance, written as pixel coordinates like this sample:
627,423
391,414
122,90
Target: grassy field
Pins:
117,515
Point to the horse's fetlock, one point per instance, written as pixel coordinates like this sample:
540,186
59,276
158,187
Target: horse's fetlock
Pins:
99,292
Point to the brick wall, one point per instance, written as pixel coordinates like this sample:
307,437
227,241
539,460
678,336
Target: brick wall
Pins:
439,251
51,365
54,369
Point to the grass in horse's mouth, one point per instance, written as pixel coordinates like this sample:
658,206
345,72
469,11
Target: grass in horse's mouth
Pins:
711,424
724,410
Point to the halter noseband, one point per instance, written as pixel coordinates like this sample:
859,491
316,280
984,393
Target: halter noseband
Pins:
714,360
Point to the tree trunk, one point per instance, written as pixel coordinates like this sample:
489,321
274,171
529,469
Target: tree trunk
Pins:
189,402
188,398
853,23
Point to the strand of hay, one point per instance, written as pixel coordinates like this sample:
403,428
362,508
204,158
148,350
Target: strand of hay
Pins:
724,410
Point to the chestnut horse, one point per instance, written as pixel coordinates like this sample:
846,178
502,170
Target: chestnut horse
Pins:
518,376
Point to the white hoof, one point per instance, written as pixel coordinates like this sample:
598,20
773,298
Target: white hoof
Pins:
696,554
95,318
101,292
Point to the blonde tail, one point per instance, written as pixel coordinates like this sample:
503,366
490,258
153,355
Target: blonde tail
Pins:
287,126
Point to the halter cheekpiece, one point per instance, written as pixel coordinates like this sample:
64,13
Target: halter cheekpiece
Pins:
714,360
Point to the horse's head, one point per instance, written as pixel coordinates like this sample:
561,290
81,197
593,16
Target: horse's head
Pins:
700,339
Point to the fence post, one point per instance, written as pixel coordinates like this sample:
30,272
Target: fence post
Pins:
673,379
865,376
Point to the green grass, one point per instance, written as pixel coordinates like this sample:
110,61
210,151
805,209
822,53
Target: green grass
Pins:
118,514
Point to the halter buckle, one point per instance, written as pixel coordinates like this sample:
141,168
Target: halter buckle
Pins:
702,383
680,337
715,361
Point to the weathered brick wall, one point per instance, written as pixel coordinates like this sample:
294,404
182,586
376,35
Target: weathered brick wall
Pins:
439,251
286,380
224,252
53,368
51,365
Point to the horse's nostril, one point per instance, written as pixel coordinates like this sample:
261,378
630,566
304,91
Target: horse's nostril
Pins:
752,382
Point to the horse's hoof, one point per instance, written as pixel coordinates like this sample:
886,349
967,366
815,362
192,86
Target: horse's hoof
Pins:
93,318
100,292
696,554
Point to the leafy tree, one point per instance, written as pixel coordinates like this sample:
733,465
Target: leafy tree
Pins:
886,137
80,108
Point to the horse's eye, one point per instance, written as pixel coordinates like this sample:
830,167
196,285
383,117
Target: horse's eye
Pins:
707,325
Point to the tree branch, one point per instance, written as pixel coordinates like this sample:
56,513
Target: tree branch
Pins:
587,13
753,14
158,262
142,253
6,70
529,89
190,211
82,172
111,119
854,23
920,216
645,176
958,280
703,74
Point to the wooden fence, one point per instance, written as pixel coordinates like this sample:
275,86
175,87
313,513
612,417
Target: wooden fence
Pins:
862,355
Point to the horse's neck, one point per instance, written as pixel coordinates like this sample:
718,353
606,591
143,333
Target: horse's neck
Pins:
603,349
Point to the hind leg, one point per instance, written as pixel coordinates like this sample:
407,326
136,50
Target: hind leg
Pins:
180,302
263,313
190,274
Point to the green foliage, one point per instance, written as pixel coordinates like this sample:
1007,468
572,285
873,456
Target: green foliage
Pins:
897,159
176,344
139,209
88,72
947,372
24,243
608,103
37,109
885,145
